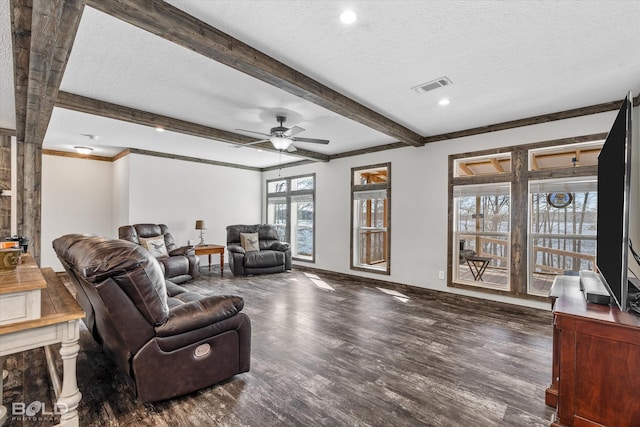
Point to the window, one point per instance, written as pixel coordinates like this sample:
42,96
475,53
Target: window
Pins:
291,210
494,164
482,226
370,218
563,217
521,215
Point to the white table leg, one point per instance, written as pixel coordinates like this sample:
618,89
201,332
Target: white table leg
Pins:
70,396
3,409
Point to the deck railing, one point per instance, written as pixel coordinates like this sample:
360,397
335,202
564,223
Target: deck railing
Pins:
547,259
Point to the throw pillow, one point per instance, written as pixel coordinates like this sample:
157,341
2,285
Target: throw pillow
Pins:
155,245
249,241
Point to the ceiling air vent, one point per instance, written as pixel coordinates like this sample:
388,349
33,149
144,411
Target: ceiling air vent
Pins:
433,84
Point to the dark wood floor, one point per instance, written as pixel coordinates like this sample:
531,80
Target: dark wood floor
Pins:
351,356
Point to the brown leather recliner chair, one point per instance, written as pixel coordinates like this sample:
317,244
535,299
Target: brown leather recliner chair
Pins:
167,341
273,255
181,264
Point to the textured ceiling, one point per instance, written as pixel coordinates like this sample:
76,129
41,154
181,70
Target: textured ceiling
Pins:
507,60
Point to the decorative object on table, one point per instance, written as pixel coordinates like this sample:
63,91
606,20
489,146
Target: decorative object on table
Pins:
22,241
9,260
181,264
272,256
201,225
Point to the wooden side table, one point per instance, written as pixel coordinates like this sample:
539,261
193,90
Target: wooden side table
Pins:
210,250
59,323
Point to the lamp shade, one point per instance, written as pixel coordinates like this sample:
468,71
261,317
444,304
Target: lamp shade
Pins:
200,225
280,142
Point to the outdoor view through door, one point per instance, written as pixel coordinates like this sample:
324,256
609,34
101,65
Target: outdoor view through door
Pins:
370,218
521,215
290,209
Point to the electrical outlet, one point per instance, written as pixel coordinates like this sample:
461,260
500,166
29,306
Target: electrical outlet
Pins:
441,275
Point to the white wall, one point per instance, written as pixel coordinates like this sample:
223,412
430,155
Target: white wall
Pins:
419,180
120,195
96,197
177,193
76,198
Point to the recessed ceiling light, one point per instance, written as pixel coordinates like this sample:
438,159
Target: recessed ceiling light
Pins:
81,149
348,17
444,101
159,129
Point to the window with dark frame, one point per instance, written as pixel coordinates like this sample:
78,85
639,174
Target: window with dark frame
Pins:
533,174
371,218
291,210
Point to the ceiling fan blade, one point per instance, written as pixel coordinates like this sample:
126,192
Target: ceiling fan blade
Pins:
248,143
313,140
294,131
251,131
291,148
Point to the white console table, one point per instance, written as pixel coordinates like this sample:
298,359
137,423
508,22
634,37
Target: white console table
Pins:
58,322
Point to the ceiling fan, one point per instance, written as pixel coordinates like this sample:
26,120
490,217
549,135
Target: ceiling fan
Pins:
283,138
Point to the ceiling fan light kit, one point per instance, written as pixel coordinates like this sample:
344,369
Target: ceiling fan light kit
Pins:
280,142
282,138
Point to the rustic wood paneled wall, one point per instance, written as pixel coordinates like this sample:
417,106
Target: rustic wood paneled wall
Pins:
29,194
43,32
5,184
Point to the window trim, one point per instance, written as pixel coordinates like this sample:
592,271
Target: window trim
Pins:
288,195
359,188
519,178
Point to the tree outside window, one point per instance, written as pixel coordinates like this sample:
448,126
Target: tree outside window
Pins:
291,210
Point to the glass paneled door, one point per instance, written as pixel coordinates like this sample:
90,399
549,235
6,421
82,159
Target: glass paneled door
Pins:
563,215
291,210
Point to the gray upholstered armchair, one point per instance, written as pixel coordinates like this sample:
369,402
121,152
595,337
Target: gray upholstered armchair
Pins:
179,264
266,255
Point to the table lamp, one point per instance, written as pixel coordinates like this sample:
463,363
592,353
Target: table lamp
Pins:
200,225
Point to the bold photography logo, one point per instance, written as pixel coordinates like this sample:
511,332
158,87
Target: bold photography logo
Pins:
37,409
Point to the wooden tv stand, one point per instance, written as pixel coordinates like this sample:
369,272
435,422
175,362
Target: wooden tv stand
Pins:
596,360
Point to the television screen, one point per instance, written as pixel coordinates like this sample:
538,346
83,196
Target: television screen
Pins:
614,183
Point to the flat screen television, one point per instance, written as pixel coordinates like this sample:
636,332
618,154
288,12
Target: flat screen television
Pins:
618,208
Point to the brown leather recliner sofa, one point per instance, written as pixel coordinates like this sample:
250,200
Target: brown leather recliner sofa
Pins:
274,256
165,340
181,265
